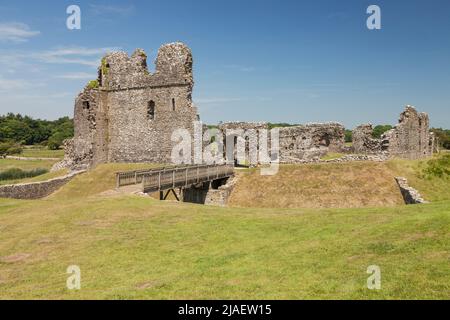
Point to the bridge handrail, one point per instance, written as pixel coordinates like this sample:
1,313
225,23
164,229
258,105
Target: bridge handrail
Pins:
177,176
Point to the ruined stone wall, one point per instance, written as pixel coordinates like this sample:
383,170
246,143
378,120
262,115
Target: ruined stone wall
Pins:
310,141
131,116
409,194
246,134
296,143
363,141
409,139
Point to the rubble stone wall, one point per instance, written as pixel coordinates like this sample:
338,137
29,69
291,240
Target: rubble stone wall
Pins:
310,141
409,139
296,143
410,195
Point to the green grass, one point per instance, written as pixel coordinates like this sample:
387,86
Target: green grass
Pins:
131,247
26,165
42,177
41,153
431,188
332,156
97,181
12,174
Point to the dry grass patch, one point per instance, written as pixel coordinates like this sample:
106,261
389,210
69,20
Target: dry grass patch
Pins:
329,185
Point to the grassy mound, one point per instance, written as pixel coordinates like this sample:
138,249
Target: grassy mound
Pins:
340,185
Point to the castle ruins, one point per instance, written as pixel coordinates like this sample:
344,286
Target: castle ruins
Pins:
409,139
129,115
132,113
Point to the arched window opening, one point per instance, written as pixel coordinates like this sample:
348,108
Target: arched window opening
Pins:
151,110
173,104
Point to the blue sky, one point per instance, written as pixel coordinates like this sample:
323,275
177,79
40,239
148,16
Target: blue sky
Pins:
278,61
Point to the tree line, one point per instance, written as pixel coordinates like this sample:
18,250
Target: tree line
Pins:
17,130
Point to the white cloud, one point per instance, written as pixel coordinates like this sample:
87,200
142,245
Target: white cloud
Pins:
76,76
16,32
111,9
71,55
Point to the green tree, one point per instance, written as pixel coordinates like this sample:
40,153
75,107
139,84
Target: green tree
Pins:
9,148
380,129
443,137
348,135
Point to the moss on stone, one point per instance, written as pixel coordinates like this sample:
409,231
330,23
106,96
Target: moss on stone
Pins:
104,67
93,84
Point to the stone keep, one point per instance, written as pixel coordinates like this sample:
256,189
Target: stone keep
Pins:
132,114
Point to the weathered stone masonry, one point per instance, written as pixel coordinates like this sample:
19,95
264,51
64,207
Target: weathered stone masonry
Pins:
131,116
409,139
296,143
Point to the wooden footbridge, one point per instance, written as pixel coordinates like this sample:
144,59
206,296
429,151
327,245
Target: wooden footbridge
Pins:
169,178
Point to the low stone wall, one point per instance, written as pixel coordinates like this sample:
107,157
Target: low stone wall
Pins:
346,158
410,195
35,190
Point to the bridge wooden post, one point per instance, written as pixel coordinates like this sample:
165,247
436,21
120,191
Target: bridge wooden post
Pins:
159,180
173,178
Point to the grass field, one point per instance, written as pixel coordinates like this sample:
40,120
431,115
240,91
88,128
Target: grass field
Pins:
131,247
6,164
41,153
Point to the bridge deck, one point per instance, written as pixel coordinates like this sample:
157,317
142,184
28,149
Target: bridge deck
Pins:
159,179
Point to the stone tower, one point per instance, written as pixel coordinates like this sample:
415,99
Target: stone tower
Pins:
129,114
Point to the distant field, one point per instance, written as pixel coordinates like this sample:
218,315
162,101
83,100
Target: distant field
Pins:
25,164
6,164
41,153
